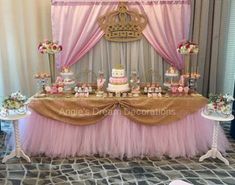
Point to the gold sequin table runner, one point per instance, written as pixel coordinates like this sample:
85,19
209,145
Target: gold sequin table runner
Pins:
142,110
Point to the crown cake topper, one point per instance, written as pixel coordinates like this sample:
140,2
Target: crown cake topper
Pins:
123,25
119,66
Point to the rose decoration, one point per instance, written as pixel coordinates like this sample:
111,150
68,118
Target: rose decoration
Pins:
57,87
49,47
54,89
187,48
14,101
220,103
48,88
60,89
42,75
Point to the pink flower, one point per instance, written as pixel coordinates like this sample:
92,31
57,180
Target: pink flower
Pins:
39,46
54,90
49,47
180,45
54,47
60,89
187,47
59,79
48,88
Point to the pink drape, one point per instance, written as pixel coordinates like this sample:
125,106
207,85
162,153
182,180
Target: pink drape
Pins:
168,25
75,26
76,29
118,136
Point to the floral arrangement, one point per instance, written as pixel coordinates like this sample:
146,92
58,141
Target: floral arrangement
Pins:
57,87
220,104
14,101
42,75
187,48
49,47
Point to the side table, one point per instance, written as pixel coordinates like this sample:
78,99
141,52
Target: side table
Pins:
214,152
18,152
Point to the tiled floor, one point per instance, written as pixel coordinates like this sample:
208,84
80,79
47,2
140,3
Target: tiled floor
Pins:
96,170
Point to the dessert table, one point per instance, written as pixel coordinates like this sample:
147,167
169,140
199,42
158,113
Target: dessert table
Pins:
62,126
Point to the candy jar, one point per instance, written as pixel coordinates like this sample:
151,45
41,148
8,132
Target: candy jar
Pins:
186,89
174,88
135,84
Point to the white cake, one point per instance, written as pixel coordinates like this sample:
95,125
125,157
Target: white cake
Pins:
118,73
118,82
67,77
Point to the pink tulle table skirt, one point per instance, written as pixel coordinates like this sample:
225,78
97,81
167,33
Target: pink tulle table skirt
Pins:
117,136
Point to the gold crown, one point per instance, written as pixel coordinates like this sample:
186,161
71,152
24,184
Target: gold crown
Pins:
123,25
118,66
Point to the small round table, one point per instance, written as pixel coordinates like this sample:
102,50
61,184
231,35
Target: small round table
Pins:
214,152
18,152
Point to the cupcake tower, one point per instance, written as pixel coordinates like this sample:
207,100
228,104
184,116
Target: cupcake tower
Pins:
176,87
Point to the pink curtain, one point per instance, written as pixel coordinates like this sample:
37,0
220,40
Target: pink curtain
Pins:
168,25
74,25
76,29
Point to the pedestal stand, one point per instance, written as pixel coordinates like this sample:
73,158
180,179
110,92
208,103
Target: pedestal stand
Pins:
214,152
171,77
18,152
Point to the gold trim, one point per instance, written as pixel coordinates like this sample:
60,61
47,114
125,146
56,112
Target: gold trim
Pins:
118,83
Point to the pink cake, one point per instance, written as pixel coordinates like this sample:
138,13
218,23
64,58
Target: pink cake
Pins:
117,81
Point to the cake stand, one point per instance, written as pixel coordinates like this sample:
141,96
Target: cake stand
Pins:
66,75
214,152
171,76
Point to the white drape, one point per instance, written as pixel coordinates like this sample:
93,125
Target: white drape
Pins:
23,24
135,56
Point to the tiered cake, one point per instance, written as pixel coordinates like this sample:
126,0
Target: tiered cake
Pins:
118,82
67,78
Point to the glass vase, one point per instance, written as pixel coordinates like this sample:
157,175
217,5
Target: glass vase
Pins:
51,58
